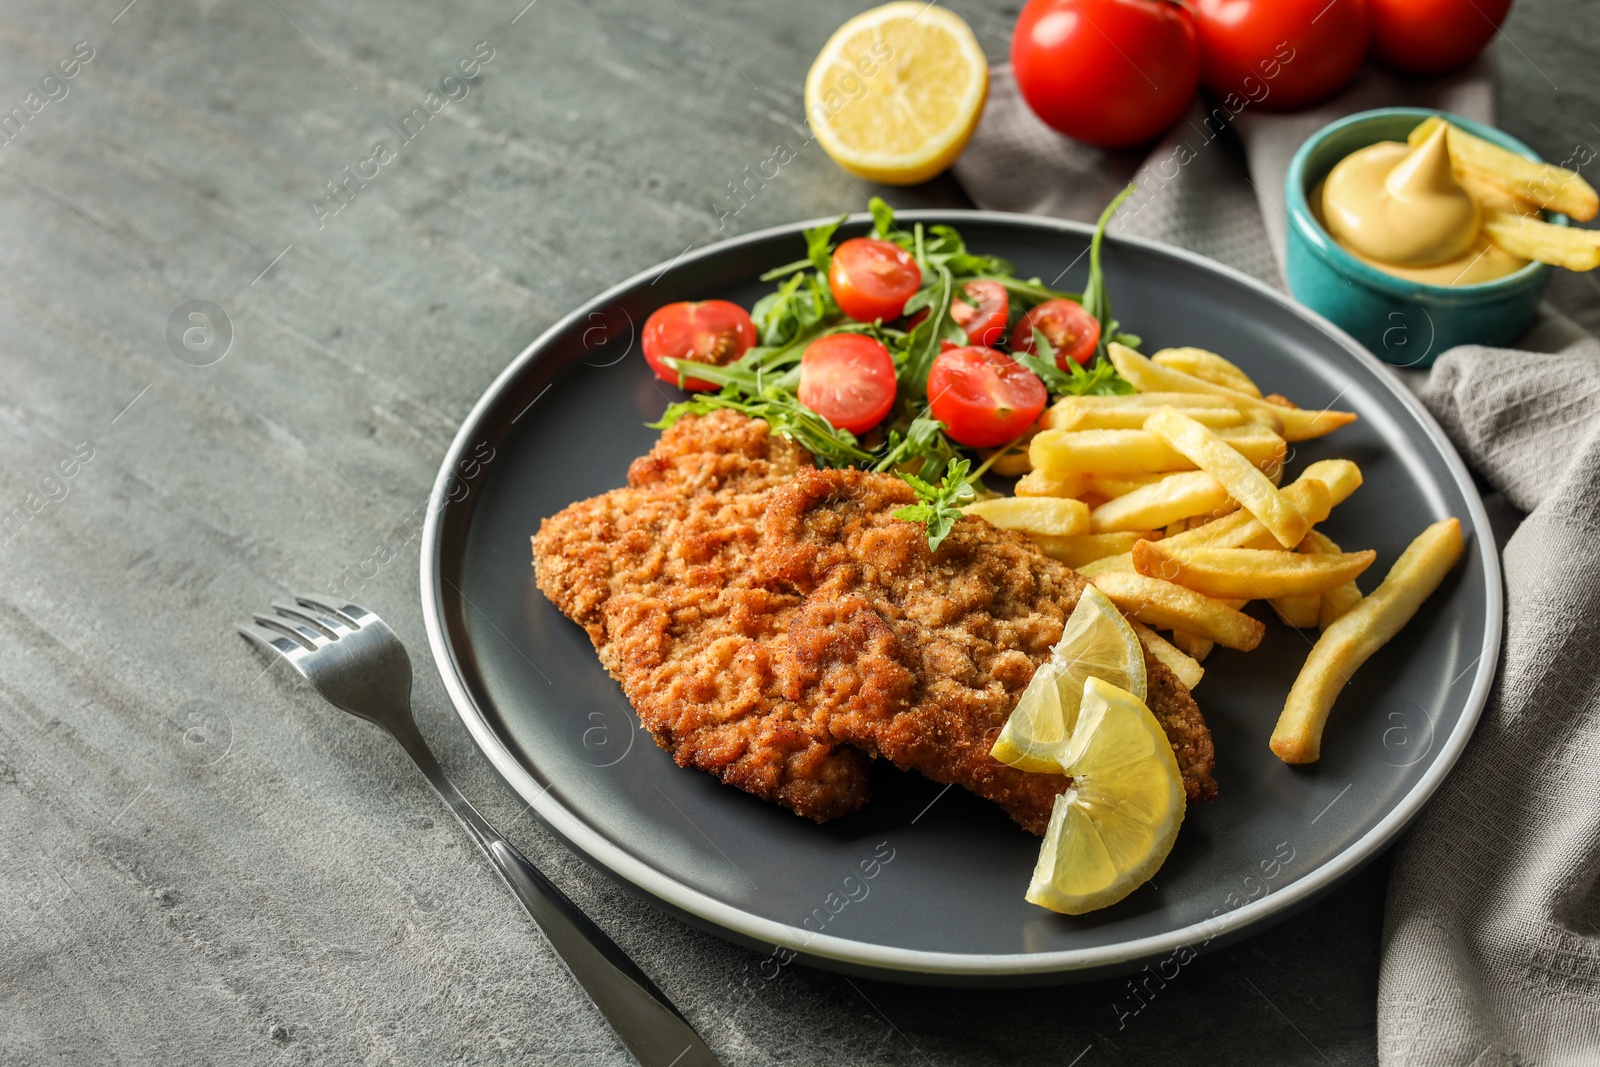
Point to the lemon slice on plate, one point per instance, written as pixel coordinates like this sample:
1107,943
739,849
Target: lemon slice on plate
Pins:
897,91
1113,828
1097,642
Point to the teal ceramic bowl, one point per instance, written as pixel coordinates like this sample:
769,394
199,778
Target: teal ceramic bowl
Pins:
1402,322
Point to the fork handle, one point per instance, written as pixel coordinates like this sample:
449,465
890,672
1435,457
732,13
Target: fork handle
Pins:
642,1016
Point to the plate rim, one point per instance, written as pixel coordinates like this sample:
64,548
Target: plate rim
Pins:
887,961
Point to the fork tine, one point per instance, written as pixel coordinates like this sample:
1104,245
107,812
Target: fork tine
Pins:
306,634
350,614
287,647
332,626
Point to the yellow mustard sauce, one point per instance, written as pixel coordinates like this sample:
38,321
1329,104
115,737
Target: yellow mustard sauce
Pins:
1403,211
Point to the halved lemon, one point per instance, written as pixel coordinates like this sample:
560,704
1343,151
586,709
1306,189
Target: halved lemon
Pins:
897,91
1097,642
1113,828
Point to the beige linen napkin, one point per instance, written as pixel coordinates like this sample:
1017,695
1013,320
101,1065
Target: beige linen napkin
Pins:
1491,948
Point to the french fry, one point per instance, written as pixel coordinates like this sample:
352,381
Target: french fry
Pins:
1335,602
1207,365
1298,424
1125,452
1241,479
1013,464
1251,573
1341,476
1310,494
1111,486
1187,669
1119,563
1541,183
1053,483
1052,516
1491,196
1192,645
1240,529
1172,607
1160,503
1073,413
1302,612
1351,641
1082,549
1559,246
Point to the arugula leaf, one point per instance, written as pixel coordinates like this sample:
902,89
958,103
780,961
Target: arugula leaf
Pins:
882,219
1095,301
1102,380
799,307
785,414
923,443
922,343
1057,382
819,245
939,506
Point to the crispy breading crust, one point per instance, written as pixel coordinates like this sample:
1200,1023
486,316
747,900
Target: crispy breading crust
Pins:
774,625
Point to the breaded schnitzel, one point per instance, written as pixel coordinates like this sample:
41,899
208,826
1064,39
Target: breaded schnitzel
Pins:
773,624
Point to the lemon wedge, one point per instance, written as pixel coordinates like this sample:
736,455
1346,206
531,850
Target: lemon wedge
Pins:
1096,642
1113,828
897,91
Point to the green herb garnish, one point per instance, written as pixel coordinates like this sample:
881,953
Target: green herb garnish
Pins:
939,506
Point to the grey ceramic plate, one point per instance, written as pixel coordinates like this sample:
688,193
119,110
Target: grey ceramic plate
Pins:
926,885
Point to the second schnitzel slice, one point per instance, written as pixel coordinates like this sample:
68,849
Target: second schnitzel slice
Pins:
920,656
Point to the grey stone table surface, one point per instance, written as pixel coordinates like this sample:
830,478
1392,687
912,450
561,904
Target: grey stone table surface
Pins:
199,862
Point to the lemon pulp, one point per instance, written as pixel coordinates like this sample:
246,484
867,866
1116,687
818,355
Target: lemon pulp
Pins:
1097,642
897,91
1115,826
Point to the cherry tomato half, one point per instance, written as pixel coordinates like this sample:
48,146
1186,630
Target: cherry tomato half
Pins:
848,379
1111,72
985,321
873,279
1280,54
1071,331
1432,36
985,398
710,331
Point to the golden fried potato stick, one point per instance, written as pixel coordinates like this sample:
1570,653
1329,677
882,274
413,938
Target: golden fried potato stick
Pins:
1239,477
1111,486
1334,603
1303,612
1559,246
1172,607
1013,463
1055,516
1248,573
1134,452
1540,183
1208,365
1180,496
1310,494
1069,413
1299,424
1052,483
1351,641
1187,669
1084,549
1192,645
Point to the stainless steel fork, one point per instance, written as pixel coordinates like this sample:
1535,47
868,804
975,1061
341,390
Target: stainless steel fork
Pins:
356,662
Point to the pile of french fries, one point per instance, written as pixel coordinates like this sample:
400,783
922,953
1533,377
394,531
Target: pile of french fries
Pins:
1171,501
1513,190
